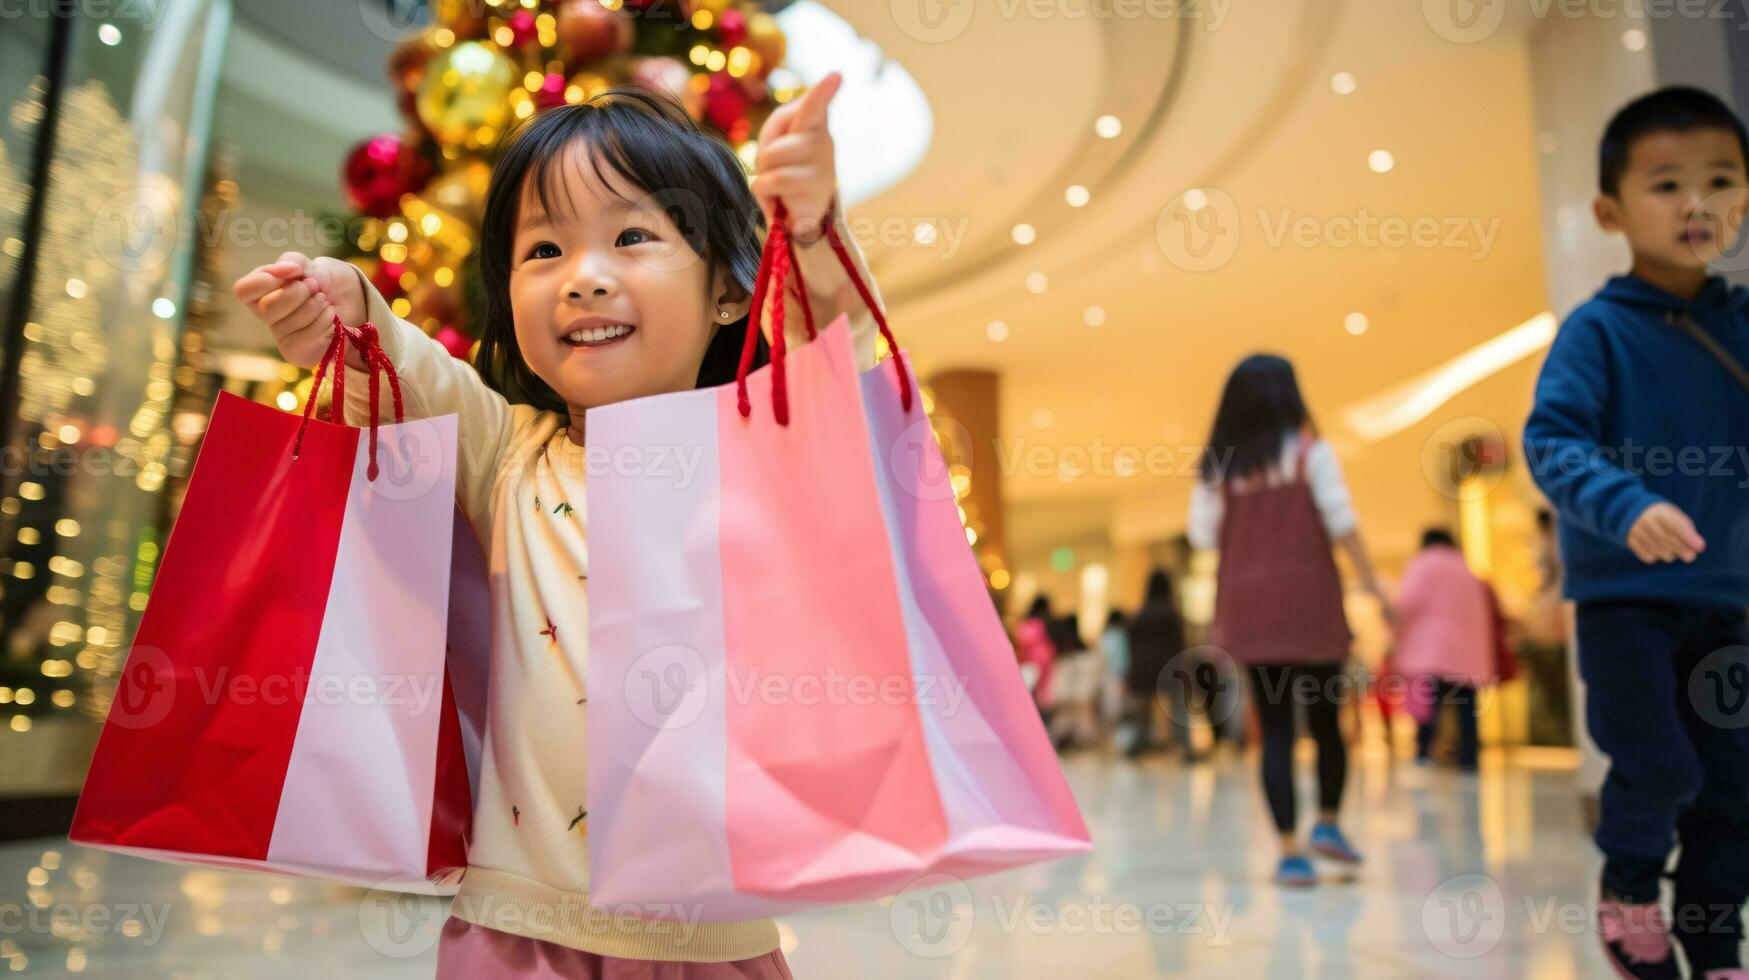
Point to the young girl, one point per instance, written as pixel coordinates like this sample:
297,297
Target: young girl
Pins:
1446,639
617,255
1272,499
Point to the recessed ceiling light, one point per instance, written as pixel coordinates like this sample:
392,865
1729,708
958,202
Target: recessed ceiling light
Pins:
997,331
164,307
924,233
1195,199
1355,323
1025,234
1042,418
1036,282
1077,196
1380,161
1633,39
1094,316
1108,126
1342,83
109,34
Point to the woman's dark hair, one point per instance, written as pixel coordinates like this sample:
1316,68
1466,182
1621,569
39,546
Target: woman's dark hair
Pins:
1116,618
649,142
1437,537
1260,407
1159,589
1040,608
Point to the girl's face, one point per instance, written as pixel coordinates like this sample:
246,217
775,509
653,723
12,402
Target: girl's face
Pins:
609,300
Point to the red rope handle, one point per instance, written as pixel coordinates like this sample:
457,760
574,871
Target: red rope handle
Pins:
789,244
776,261
868,300
779,343
370,347
750,343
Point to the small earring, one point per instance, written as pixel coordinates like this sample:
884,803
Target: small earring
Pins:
724,314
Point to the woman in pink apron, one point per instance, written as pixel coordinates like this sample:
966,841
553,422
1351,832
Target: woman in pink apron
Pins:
1272,499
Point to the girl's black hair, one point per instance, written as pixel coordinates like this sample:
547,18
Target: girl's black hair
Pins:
648,141
1437,537
1040,608
1260,408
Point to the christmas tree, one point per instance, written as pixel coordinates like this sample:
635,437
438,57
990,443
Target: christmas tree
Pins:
482,67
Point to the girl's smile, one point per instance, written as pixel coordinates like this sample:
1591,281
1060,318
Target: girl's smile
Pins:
595,333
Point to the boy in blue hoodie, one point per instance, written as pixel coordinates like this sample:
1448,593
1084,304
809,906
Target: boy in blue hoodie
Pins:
1640,437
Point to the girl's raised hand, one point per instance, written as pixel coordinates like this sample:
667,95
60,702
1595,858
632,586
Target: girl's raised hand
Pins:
297,297
795,163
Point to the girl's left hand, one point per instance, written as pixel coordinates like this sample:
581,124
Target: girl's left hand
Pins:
794,162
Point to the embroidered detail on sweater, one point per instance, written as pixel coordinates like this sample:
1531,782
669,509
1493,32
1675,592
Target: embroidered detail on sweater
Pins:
581,813
564,508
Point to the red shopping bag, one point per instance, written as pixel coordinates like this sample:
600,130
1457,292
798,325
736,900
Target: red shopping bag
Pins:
800,691
286,704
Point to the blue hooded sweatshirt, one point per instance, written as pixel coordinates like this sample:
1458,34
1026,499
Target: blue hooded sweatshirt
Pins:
1631,411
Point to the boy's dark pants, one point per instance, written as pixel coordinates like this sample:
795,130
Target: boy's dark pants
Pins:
1667,699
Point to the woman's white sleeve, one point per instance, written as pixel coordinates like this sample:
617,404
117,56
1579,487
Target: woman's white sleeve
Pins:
1330,490
1205,517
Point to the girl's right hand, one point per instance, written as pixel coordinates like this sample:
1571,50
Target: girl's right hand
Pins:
297,297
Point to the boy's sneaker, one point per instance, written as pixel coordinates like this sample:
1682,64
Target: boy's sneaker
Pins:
1327,842
1636,939
1295,871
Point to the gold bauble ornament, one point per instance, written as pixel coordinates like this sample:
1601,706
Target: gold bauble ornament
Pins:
464,96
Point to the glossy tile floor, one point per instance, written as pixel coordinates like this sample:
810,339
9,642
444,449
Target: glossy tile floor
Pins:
1466,875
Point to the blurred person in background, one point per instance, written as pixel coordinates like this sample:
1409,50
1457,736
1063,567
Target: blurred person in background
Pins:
1037,652
1076,681
1446,637
1114,644
1156,635
1272,499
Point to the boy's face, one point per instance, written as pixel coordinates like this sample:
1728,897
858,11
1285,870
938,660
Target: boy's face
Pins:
1681,198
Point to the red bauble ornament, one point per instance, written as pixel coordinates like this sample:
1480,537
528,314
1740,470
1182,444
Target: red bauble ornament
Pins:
380,170
588,31
551,93
387,278
732,27
521,26
457,343
725,103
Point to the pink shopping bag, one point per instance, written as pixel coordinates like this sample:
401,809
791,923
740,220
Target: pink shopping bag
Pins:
800,690
286,705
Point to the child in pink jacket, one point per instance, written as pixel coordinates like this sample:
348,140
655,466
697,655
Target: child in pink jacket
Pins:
1445,637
